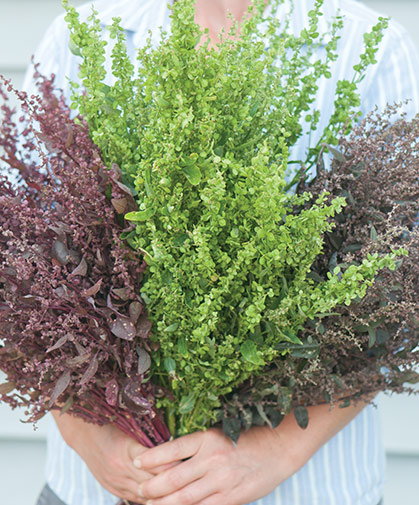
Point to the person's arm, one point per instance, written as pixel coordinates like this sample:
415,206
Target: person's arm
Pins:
108,453
215,472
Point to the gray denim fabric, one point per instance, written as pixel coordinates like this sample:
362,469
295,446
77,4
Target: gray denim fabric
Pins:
48,497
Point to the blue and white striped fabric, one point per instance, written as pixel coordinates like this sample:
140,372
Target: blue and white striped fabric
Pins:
349,469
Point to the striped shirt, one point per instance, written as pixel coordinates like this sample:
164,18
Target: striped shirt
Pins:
349,469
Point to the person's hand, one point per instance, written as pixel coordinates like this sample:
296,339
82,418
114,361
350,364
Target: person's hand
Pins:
210,470
108,453
215,471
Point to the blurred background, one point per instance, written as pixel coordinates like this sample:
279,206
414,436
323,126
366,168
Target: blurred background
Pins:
23,450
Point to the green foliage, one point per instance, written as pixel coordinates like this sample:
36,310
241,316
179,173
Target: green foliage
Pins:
347,102
202,137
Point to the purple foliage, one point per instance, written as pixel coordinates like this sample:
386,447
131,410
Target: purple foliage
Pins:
73,329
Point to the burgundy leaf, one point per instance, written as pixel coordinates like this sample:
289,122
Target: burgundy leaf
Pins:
74,256
133,391
70,136
144,361
78,360
143,326
81,269
111,306
60,228
60,386
124,188
60,342
80,349
67,405
99,256
115,173
92,290
121,293
62,292
123,328
90,370
60,252
111,392
7,387
135,310
120,205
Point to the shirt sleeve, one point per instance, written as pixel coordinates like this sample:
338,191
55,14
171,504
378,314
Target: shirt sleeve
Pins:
396,75
54,57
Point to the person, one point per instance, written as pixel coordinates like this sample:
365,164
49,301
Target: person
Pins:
338,459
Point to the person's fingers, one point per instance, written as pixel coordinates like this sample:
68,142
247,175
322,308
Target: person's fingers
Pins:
192,494
172,479
214,499
162,468
135,451
169,452
140,475
126,489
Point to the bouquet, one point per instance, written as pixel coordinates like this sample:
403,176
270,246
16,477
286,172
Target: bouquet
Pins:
222,283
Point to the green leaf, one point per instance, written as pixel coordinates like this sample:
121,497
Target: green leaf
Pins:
301,416
170,365
193,174
410,377
126,235
345,403
231,427
307,351
140,215
290,336
162,102
336,153
382,336
250,353
327,397
361,328
167,278
338,381
372,334
182,347
315,276
179,240
74,48
335,239
171,328
275,416
147,184
187,404
352,248
263,414
246,418
373,233
284,400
